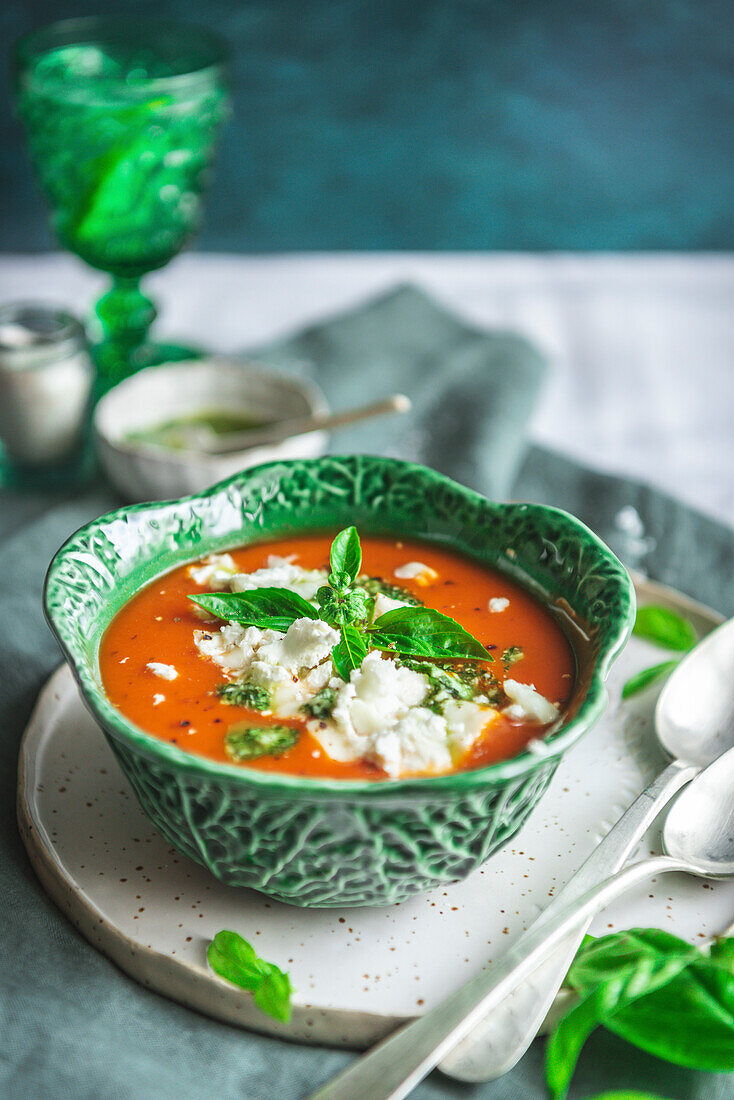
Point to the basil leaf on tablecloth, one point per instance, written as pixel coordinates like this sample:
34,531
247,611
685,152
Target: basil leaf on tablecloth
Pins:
654,990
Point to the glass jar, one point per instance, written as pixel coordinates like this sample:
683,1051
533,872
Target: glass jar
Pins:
46,377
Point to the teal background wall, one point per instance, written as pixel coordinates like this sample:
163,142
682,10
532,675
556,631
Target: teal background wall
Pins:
451,124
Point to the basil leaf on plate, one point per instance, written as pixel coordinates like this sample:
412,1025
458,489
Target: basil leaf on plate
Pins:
245,742
654,990
234,959
423,632
273,994
349,652
646,677
273,608
665,628
346,556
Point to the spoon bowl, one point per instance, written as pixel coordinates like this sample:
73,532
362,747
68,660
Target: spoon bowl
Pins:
699,829
694,716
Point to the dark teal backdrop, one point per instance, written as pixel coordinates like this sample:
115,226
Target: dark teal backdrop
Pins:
452,124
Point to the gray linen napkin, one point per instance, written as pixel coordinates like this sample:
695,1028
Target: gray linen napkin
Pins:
72,1024
472,391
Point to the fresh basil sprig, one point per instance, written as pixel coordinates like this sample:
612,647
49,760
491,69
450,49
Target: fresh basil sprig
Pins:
654,990
414,631
664,628
233,958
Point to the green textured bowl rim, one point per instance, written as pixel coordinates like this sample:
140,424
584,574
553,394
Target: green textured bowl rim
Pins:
558,742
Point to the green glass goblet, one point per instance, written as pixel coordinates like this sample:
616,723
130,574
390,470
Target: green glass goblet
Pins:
122,118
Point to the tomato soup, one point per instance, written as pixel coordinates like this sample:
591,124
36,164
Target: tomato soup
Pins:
164,665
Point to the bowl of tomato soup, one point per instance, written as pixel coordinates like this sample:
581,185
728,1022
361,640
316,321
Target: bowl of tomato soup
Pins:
339,681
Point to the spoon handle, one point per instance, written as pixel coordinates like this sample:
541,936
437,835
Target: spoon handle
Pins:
501,1038
319,422
393,1069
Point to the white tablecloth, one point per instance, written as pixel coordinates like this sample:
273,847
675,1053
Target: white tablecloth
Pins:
641,346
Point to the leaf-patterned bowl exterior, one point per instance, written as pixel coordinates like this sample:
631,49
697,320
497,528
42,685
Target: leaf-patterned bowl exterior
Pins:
322,842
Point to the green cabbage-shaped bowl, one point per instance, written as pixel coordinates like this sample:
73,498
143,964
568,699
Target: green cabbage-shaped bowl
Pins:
320,842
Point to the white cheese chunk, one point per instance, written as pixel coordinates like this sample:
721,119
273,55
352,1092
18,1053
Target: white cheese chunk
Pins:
215,570
416,744
166,672
306,643
384,603
416,571
465,723
158,699
498,603
281,574
527,704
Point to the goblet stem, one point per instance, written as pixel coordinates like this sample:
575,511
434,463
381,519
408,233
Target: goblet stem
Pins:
125,314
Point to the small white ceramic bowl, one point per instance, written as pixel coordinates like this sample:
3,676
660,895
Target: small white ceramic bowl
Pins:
141,471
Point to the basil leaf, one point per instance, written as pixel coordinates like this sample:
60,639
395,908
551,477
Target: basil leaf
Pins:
691,1021
626,1094
244,742
346,553
654,990
423,632
349,652
273,994
276,608
665,628
646,678
235,960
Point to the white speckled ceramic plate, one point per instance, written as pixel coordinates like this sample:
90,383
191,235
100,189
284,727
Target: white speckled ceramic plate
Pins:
358,973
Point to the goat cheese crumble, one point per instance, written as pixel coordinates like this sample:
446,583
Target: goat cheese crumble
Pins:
416,571
166,672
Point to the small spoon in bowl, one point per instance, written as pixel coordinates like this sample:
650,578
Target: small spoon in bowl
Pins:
694,724
698,839
276,432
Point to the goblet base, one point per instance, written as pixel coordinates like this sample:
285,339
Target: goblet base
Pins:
71,472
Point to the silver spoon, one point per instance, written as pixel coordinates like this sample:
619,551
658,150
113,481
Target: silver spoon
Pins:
698,839
693,735
286,429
